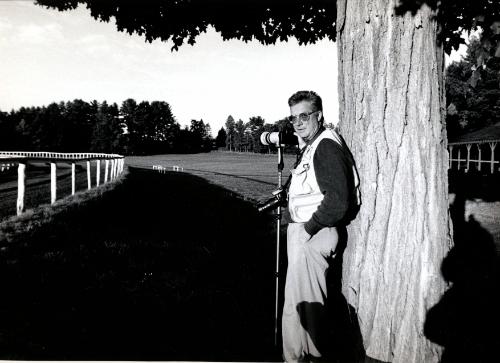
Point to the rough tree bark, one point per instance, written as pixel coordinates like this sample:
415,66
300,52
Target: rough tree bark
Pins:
391,91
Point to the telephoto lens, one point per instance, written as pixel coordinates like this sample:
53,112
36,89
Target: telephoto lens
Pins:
285,137
270,138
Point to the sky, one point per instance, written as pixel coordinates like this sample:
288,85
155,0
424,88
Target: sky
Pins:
49,56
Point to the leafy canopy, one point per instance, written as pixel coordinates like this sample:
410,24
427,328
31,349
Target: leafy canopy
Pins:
183,20
456,16
269,20
472,94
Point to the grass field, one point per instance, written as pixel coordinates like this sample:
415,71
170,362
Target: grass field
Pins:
253,176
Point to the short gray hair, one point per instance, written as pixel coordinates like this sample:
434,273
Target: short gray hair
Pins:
310,96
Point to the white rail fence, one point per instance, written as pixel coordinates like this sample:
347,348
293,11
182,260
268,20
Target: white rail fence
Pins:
467,155
164,169
114,164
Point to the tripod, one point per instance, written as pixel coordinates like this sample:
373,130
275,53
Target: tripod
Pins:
278,238
276,203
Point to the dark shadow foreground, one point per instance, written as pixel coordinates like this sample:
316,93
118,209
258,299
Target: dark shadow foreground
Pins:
344,343
466,321
475,185
164,267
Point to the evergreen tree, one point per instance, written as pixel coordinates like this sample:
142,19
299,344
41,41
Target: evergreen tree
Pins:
128,111
220,140
255,126
230,130
80,119
208,141
201,136
8,136
23,123
239,135
48,129
162,127
106,131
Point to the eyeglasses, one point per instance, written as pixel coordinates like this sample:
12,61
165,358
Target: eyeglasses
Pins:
303,117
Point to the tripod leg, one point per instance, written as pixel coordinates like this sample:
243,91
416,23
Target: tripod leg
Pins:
276,276
278,229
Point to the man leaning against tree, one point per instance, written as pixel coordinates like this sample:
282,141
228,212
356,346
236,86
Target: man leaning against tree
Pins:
322,197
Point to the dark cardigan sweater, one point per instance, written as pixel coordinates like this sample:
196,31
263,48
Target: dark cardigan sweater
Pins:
333,171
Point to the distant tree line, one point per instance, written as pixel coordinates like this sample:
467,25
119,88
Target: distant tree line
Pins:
245,136
78,126
240,136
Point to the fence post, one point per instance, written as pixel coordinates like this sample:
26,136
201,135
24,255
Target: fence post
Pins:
53,183
98,172
459,159
492,146
89,183
112,169
106,165
468,157
479,157
73,178
451,156
21,187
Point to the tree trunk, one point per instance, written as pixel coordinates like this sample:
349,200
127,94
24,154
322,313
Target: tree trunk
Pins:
391,94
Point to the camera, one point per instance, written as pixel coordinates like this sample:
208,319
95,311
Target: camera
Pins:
284,137
279,199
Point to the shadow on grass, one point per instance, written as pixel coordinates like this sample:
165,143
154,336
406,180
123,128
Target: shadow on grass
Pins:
344,342
244,177
475,185
466,320
163,267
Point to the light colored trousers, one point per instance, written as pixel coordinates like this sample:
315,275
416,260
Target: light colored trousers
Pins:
305,293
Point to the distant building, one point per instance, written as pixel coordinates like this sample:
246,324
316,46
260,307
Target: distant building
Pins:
476,150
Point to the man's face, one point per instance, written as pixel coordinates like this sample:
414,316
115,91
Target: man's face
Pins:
305,129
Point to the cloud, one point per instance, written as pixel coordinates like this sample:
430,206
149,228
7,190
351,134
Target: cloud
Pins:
92,39
5,28
34,34
5,25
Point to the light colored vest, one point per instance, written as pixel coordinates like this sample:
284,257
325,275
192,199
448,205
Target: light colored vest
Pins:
304,195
